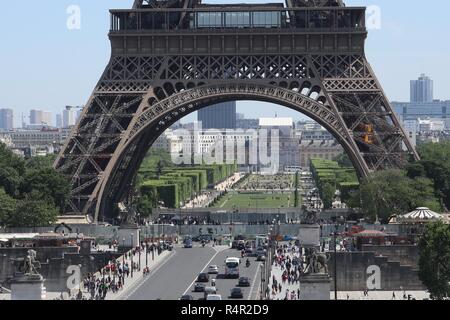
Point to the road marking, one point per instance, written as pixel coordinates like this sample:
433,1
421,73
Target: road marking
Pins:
152,272
254,281
195,279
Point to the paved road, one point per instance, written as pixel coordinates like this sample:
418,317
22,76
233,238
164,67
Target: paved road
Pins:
176,276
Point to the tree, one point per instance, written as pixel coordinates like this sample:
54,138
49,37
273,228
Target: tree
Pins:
392,192
159,168
7,207
435,165
37,163
10,180
328,192
33,213
343,160
9,159
434,261
49,183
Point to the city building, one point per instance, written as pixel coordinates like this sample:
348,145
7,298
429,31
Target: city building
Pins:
411,129
59,121
422,105
315,134
247,124
6,119
421,90
323,149
5,138
38,138
288,147
40,117
69,118
219,116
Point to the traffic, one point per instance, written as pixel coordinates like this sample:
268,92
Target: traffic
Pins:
232,279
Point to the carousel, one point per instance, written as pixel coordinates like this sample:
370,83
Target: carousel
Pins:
417,220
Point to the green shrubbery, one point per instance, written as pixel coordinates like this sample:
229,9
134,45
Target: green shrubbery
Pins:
330,176
160,181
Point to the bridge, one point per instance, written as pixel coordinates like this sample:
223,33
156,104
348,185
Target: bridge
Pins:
170,58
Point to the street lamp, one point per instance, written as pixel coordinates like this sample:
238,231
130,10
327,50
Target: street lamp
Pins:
132,256
123,261
335,261
146,254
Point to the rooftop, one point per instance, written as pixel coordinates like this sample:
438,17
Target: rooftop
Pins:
276,122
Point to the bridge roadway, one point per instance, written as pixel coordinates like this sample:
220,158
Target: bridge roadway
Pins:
177,275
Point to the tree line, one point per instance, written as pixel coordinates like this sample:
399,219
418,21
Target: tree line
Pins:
32,193
423,183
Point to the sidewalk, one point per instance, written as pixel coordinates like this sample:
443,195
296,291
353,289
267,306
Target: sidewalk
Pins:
343,295
131,282
138,277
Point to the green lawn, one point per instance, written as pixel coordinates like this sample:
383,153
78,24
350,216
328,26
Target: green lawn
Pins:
255,200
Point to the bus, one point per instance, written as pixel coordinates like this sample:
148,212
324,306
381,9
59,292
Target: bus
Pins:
232,267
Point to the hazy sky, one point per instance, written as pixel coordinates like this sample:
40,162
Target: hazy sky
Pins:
45,65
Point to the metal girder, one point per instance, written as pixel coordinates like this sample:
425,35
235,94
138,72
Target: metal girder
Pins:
156,77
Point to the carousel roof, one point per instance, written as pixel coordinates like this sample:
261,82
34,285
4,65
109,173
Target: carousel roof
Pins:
371,234
421,213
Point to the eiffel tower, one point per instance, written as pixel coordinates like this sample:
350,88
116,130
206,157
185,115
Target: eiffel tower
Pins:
172,57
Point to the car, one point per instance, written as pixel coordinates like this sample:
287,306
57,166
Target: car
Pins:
187,297
244,282
203,277
213,297
203,237
188,244
236,293
241,245
210,290
213,269
261,257
260,250
199,287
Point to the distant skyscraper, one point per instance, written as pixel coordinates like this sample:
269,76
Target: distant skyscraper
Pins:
39,117
6,119
421,90
69,118
219,116
59,121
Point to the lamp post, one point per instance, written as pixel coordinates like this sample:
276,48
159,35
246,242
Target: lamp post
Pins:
146,254
335,261
132,256
123,261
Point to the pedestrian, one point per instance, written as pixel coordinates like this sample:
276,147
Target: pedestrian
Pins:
393,295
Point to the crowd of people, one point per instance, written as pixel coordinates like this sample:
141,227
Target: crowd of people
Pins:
290,263
112,277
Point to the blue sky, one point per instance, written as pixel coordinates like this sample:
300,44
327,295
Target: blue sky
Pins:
44,65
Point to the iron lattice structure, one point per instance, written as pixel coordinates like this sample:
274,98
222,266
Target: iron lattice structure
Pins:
170,58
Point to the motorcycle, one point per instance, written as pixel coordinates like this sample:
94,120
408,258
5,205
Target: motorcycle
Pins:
247,264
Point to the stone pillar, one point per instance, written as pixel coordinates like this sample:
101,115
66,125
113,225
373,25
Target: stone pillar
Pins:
315,287
309,235
27,287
